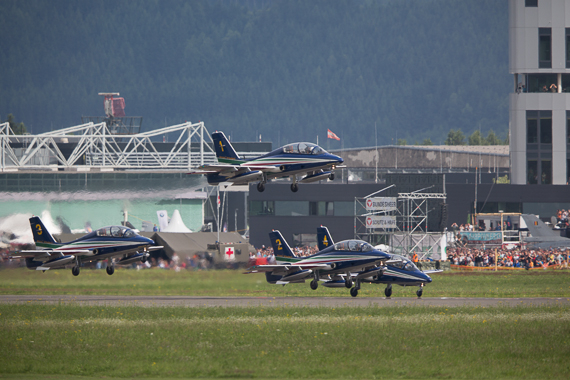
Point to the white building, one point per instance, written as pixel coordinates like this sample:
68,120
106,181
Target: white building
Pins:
539,116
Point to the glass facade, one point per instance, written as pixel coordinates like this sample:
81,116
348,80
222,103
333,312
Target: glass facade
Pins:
544,48
539,147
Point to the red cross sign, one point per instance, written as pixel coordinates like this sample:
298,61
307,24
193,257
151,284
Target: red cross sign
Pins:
230,254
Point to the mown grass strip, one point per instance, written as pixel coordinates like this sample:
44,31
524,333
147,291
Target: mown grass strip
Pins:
234,283
366,342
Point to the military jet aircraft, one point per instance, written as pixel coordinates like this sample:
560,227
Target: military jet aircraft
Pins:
542,236
399,271
341,264
287,161
114,242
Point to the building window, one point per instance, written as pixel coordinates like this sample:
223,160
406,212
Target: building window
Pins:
532,172
546,128
531,3
544,48
532,127
321,208
291,208
257,208
546,172
539,146
342,208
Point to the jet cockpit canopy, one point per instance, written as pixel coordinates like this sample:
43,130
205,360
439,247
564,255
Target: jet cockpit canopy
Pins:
303,148
404,263
353,245
116,231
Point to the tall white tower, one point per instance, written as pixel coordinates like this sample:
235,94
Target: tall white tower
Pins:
539,116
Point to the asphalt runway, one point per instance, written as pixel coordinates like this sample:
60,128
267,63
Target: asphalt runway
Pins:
184,301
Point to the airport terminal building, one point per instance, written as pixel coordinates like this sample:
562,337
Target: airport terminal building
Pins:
539,60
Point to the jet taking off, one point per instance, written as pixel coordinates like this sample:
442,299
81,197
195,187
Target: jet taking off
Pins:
114,242
399,270
336,265
287,161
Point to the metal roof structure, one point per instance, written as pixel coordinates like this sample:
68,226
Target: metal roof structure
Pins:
93,145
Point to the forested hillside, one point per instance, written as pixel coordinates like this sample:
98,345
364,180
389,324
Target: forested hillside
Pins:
287,70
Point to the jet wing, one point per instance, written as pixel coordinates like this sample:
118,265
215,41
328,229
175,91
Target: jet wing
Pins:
284,268
49,252
217,168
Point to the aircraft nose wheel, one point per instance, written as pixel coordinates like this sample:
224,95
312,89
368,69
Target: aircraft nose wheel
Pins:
75,270
110,270
420,291
260,187
314,284
388,291
294,187
354,291
331,176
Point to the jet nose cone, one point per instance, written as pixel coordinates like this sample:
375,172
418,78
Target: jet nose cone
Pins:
428,279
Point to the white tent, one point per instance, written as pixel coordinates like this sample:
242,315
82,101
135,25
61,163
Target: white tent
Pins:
176,224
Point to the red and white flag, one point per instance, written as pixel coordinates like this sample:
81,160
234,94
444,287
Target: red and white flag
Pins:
331,135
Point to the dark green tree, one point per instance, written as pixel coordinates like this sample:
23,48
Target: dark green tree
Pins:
17,128
455,138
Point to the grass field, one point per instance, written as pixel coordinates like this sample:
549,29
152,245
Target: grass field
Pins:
415,342
234,283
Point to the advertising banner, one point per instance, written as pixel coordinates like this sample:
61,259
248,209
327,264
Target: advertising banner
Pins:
380,221
381,204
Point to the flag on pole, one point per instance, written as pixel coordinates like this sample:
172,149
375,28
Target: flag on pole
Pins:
331,135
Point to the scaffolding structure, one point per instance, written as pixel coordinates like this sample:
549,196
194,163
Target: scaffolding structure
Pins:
93,145
410,233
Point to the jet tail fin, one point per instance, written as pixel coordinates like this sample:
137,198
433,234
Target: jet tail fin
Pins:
538,228
324,238
225,152
40,232
280,246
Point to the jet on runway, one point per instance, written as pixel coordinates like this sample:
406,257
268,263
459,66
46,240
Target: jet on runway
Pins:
287,161
341,264
114,242
399,270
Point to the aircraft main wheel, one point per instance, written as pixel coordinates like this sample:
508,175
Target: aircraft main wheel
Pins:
354,292
419,293
143,260
260,187
331,176
75,270
348,283
388,292
110,270
294,187
314,284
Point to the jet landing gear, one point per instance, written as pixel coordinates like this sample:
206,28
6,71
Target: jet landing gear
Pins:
354,291
110,269
294,187
388,291
420,291
315,282
75,269
348,281
261,185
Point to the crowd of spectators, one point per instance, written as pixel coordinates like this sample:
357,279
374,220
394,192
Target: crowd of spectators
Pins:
515,258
